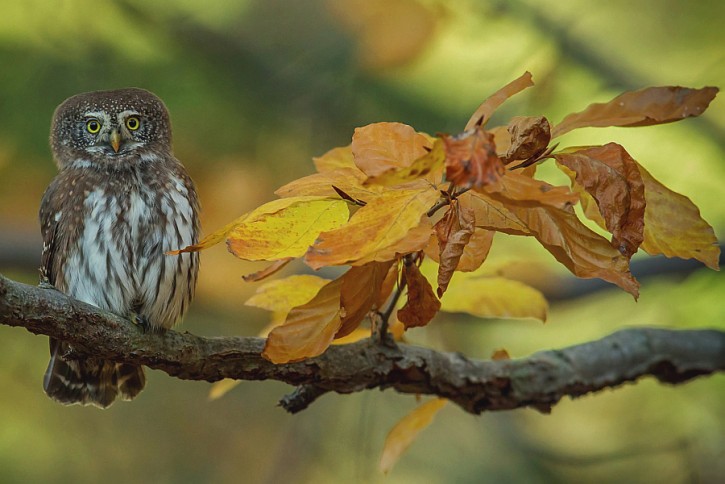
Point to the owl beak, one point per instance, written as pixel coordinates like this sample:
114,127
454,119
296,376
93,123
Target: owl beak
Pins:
115,140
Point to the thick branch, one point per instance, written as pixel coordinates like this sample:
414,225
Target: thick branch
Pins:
538,381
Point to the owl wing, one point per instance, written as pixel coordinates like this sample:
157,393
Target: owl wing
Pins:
49,222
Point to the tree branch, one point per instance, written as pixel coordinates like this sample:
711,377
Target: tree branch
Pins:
538,381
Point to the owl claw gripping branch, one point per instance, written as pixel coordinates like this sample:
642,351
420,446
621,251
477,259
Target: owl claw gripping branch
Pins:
119,202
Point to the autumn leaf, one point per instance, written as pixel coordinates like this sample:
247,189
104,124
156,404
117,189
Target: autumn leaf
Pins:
309,328
422,304
518,188
389,283
348,180
612,178
428,166
474,253
529,137
406,430
281,295
386,220
500,355
273,268
360,293
453,231
483,113
222,387
334,159
378,147
471,159
487,296
652,105
673,226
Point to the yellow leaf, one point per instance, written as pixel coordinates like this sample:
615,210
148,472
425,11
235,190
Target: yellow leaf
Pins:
406,430
381,146
220,388
281,295
335,159
493,297
286,227
673,226
349,180
213,238
428,166
385,220
309,328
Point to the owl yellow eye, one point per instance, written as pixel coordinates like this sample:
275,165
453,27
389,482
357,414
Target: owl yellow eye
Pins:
93,126
133,123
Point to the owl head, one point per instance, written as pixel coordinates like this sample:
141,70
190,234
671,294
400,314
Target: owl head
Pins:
110,127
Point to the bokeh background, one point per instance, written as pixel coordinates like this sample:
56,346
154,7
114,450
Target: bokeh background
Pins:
258,87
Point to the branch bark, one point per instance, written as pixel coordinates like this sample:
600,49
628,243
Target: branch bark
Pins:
538,381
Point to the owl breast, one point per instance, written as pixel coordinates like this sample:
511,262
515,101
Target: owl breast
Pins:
119,262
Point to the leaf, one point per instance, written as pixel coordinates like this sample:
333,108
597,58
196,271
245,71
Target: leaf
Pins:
428,166
673,226
379,147
474,253
612,177
286,227
211,239
454,231
406,431
471,159
530,135
500,354
281,295
360,292
486,109
422,304
389,283
309,329
518,188
348,180
267,271
494,297
652,105
335,159
222,387
375,228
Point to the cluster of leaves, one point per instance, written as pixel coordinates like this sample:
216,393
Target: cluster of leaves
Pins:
395,197
375,206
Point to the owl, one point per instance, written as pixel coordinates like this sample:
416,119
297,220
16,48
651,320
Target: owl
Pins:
119,202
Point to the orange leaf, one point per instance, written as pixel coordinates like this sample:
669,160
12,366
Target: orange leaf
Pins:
454,231
485,110
474,253
500,354
652,105
405,432
375,229
471,159
267,271
611,176
530,135
359,295
389,283
381,146
673,226
349,180
422,303
428,166
518,188
335,159
309,329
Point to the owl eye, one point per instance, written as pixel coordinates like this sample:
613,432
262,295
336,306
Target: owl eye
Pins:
133,123
93,126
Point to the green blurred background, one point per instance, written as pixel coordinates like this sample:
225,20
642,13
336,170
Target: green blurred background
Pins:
255,89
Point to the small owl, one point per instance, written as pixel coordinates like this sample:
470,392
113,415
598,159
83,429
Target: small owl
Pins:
119,202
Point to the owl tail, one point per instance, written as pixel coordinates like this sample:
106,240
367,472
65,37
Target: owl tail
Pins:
89,381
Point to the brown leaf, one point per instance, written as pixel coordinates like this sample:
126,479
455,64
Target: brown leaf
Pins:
486,109
422,304
530,135
309,329
379,147
474,253
267,271
500,354
520,189
471,159
673,226
359,295
652,105
454,231
612,177
428,166
389,283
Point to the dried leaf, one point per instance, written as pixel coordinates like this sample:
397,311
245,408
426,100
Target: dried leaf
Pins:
474,253
381,146
652,105
673,226
354,336
428,166
375,228
222,387
359,295
530,135
494,297
406,431
286,227
520,189
487,108
335,159
611,176
471,159
493,215
500,354
389,283
309,329
422,304
273,268
454,231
